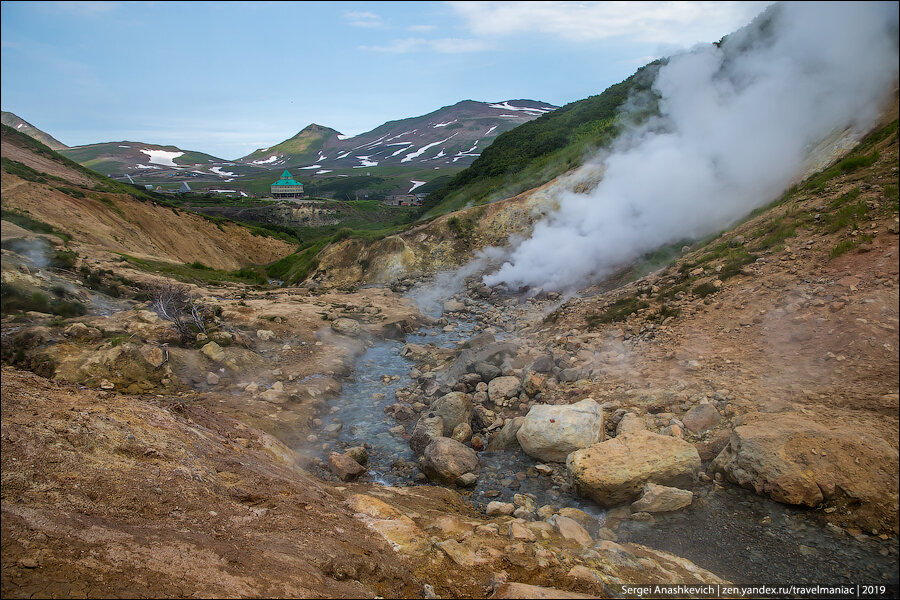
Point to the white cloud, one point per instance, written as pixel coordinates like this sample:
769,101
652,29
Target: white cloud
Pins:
441,45
362,19
679,23
422,28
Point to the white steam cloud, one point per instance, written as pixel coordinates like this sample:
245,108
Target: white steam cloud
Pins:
736,127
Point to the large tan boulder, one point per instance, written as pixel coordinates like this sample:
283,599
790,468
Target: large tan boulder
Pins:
662,498
616,471
797,460
550,433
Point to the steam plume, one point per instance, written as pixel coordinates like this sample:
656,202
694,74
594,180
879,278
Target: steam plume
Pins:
737,124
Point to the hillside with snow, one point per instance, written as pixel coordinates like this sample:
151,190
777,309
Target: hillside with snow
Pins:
452,136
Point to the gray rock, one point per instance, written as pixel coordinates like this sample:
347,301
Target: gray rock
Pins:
550,433
453,408
487,371
348,327
506,438
444,460
428,427
502,388
701,417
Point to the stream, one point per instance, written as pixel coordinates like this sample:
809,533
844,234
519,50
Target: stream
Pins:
730,531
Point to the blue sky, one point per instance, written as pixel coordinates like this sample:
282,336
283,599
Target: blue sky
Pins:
229,77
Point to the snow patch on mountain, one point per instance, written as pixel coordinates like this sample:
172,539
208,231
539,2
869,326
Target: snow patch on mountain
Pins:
266,161
162,157
423,149
415,185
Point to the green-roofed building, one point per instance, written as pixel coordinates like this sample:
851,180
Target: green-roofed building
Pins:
287,187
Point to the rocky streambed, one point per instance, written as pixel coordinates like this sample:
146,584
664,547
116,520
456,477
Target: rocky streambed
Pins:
469,362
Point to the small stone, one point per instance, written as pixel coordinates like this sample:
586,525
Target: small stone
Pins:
212,379
466,480
495,508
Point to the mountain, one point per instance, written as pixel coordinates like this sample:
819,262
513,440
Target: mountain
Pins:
452,136
118,158
542,148
22,126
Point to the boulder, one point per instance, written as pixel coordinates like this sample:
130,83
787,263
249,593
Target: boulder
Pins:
630,423
506,438
444,460
454,306
453,408
345,326
550,433
154,355
344,466
493,353
428,427
661,498
501,388
213,352
797,460
265,335
543,364
616,471
701,417
487,371
571,531
462,433
495,508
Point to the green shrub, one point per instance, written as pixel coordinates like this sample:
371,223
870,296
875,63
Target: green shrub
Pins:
704,289
617,311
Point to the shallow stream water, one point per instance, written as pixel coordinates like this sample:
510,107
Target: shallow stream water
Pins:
737,535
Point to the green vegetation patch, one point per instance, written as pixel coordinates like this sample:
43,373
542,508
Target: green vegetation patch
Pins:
31,224
195,272
619,310
14,298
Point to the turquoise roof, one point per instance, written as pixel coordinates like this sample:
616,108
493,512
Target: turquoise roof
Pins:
287,179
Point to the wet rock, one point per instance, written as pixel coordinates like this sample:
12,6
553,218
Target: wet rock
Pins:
615,471
359,454
453,408
701,417
543,469
506,438
428,427
525,502
461,433
466,480
661,498
501,388
445,460
344,466
212,379
550,433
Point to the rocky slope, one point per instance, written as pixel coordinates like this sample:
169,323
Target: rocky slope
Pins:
19,124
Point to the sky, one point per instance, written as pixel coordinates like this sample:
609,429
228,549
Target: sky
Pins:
226,78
